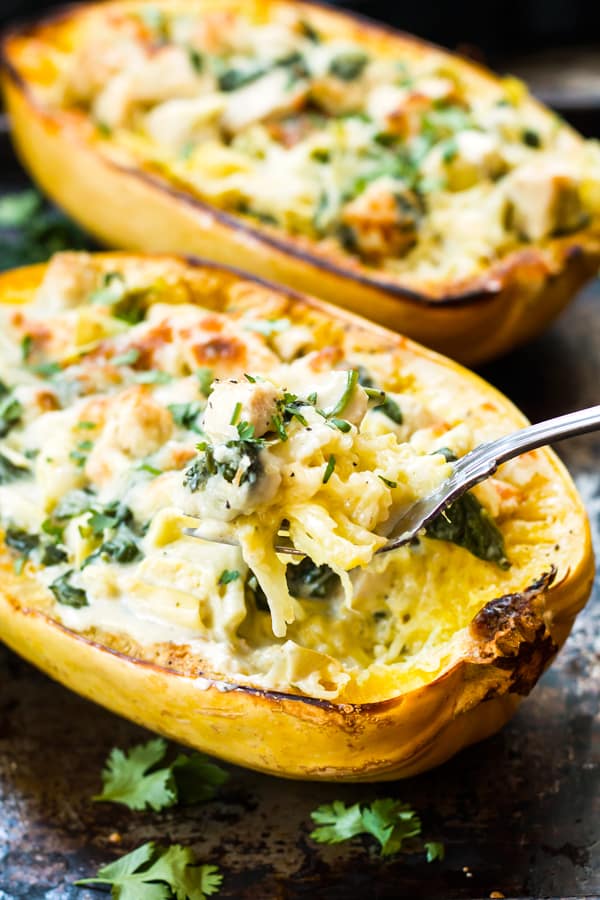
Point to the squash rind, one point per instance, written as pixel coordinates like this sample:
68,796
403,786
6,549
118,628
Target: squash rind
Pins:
512,301
511,641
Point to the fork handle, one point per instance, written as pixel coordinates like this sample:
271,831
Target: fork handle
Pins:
570,425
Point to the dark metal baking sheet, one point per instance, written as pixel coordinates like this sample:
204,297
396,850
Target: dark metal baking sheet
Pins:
519,814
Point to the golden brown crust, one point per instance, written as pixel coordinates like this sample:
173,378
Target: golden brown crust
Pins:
507,646
472,320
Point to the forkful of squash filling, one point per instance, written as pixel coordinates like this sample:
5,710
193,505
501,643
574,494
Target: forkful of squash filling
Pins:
144,398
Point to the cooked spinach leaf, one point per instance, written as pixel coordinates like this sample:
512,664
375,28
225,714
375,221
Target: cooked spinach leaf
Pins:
122,547
307,580
66,593
467,523
21,541
10,471
26,544
348,66
244,457
11,412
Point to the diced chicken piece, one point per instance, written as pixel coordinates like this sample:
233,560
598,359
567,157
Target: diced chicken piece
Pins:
109,45
384,219
290,342
544,199
232,402
338,97
466,159
384,100
136,427
69,279
175,122
267,97
166,74
400,110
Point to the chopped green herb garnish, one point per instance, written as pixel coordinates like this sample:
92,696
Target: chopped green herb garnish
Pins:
152,376
279,427
236,413
329,468
26,347
228,575
68,594
154,873
250,378
186,415
246,431
340,406
267,327
234,79
468,524
390,409
78,457
151,470
341,425
205,379
46,370
388,482
87,426
128,358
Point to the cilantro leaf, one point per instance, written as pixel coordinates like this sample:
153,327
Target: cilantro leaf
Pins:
154,873
132,778
435,850
197,778
337,822
390,822
127,778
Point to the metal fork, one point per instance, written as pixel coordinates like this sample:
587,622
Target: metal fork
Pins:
470,470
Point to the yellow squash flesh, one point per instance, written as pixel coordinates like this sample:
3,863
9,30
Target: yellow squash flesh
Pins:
501,655
125,205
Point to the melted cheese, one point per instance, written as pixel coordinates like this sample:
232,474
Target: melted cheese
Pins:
414,164
130,441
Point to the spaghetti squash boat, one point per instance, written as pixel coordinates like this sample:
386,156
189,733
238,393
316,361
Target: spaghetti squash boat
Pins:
146,401
317,149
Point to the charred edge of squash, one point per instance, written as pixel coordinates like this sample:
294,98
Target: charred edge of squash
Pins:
510,629
516,636
487,287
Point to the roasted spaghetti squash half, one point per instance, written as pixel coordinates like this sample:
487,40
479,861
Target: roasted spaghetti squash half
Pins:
315,148
165,424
